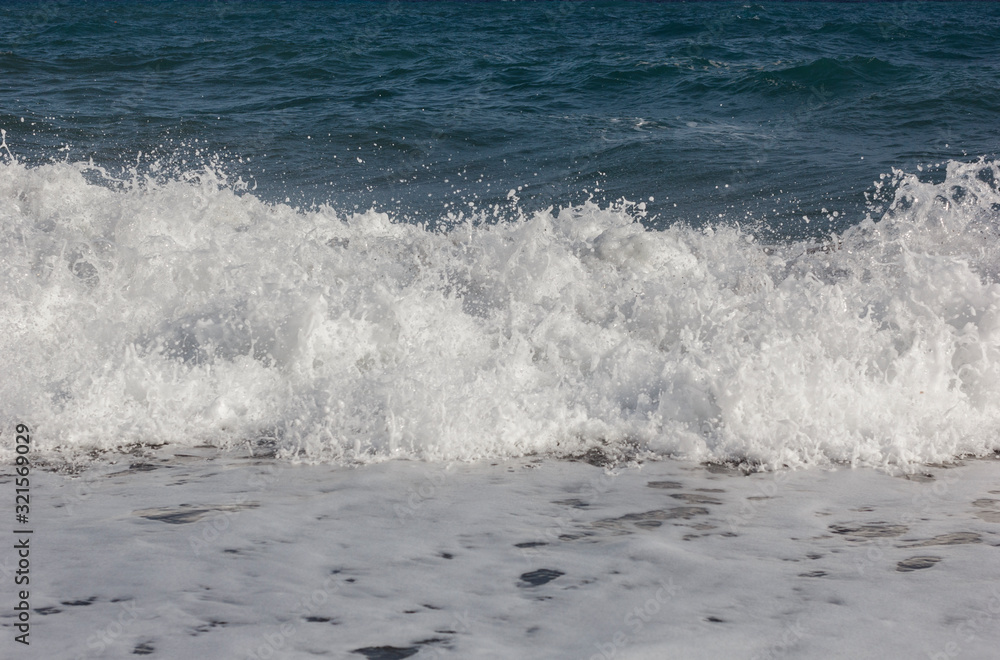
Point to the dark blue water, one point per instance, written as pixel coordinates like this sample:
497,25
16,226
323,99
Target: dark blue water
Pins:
726,112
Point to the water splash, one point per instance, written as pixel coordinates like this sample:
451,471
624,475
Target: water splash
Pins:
179,310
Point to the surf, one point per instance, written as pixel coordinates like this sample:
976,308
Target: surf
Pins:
180,309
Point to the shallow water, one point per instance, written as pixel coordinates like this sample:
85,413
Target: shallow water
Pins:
255,558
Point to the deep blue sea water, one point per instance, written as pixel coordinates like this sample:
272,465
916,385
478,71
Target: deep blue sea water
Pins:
715,110
724,231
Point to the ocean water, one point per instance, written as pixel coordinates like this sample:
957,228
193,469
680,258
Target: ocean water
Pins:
355,231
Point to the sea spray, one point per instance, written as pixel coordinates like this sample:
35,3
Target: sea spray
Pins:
184,310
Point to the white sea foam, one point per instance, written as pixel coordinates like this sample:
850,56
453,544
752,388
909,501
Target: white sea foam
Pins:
523,558
182,311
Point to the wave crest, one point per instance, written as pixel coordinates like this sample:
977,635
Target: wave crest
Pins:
183,312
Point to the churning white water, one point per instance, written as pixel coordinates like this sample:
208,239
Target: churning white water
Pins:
183,310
